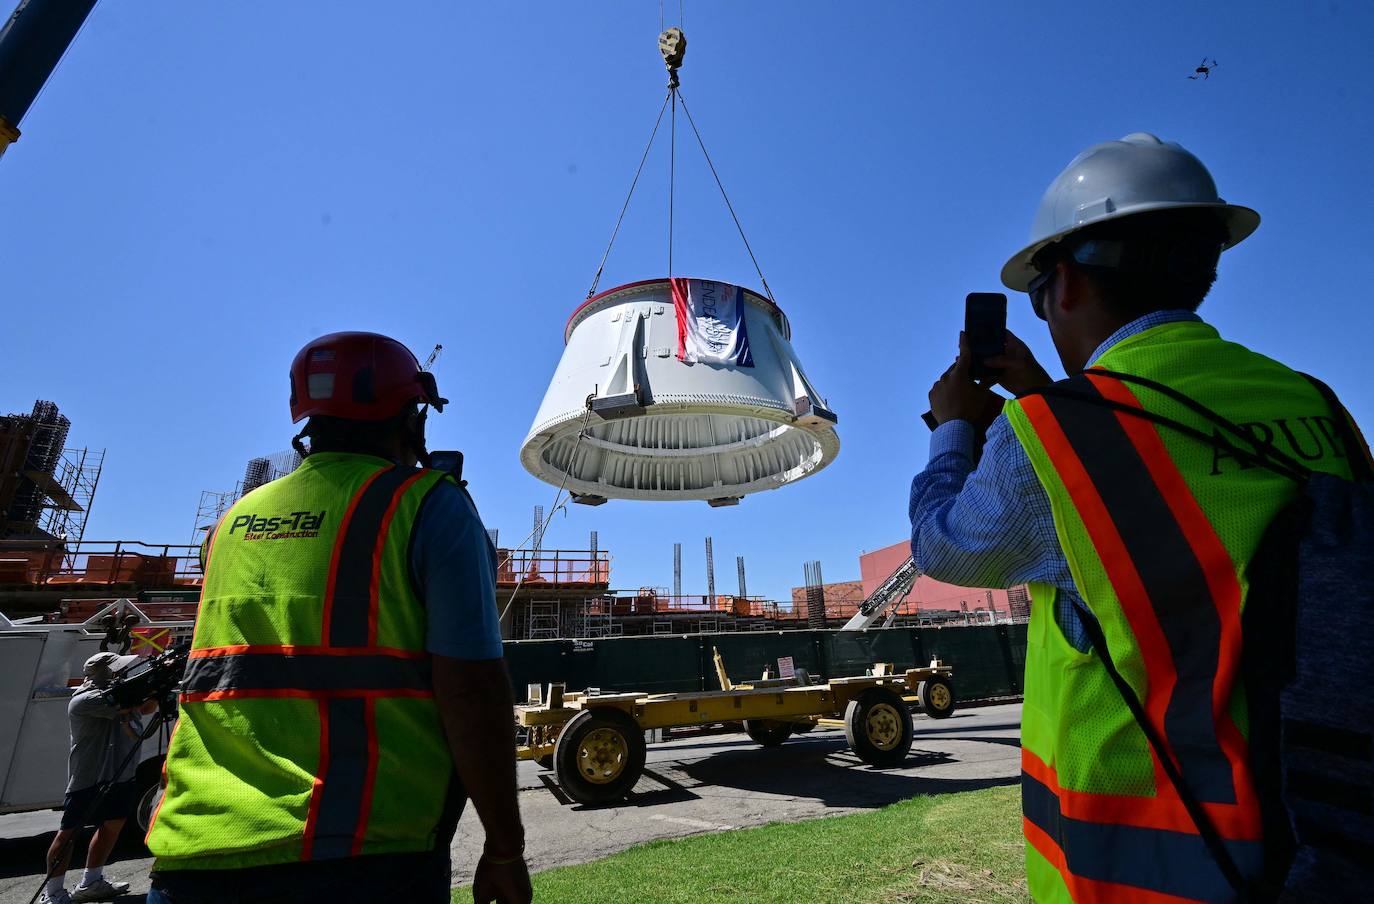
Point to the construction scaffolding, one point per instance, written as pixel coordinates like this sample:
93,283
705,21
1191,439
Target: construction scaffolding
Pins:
542,621
45,488
212,506
78,474
46,442
598,618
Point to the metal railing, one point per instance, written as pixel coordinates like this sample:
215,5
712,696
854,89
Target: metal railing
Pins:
557,567
647,603
100,563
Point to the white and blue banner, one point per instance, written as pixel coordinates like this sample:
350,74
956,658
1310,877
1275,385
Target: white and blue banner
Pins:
710,323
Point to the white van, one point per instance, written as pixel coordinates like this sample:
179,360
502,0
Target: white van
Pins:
40,668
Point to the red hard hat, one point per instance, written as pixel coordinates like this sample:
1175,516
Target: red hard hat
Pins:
358,376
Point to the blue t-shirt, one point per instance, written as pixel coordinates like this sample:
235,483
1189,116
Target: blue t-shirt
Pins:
451,559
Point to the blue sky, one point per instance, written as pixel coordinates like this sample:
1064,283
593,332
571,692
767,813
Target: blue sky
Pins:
204,187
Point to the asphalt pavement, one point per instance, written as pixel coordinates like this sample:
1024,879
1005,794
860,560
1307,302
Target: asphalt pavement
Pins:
710,783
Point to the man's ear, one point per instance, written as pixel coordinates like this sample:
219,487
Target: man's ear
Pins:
1069,288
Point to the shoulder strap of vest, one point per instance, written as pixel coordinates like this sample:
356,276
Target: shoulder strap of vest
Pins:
1202,410
1356,452
1264,455
1210,836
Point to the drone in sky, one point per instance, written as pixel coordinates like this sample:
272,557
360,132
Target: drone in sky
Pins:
1203,70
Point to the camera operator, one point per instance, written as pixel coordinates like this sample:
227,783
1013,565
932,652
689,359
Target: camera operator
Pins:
103,736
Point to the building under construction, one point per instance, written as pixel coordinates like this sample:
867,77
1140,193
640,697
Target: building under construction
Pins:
550,593
47,565
47,489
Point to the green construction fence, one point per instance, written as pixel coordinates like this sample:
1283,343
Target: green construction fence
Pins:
988,660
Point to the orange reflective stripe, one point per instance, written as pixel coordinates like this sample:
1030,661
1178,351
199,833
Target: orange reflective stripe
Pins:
1091,891
293,693
163,799
1217,567
369,779
341,806
1235,822
1121,571
375,590
317,789
338,552
307,650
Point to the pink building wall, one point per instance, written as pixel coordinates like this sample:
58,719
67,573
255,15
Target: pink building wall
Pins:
928,593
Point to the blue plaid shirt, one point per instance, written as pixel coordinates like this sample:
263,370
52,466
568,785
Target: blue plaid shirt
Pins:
987,522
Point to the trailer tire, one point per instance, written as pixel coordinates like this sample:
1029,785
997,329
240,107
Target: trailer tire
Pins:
599,755
877,724
937,697
768,732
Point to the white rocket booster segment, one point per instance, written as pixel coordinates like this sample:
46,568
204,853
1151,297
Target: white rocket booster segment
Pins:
688,389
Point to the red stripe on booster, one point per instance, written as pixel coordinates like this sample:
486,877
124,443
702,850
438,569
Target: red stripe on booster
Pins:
680,307
375,591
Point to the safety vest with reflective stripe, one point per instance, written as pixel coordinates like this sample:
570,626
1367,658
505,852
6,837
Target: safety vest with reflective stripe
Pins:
1158,529
308,727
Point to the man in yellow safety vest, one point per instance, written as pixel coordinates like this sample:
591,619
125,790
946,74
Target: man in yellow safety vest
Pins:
1135,538
346,691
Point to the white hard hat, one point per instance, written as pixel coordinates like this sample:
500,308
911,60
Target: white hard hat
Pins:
1114,179
103,665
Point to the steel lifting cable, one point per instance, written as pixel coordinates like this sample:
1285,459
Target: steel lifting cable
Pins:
672,172
680,16
596,280
558,503
728,205
543,525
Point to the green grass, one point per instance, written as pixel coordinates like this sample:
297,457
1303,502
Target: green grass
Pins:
956,848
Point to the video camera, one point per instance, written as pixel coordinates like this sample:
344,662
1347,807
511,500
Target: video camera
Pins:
155,678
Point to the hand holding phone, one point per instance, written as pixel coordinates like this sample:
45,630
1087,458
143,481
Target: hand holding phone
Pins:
985,331
985,327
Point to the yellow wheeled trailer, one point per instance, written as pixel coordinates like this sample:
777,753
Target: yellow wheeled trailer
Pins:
594,742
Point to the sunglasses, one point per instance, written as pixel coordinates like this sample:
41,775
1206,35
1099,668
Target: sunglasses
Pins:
1034,289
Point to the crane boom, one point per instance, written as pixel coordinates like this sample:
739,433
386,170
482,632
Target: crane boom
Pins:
433,356
889,593
32,43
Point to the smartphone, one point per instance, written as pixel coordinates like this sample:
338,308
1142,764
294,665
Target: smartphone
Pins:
450,461
985,327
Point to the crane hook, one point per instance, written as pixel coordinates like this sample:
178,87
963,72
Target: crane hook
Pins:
673,45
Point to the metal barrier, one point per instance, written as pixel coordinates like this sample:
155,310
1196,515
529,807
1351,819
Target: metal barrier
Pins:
556,567
101,563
